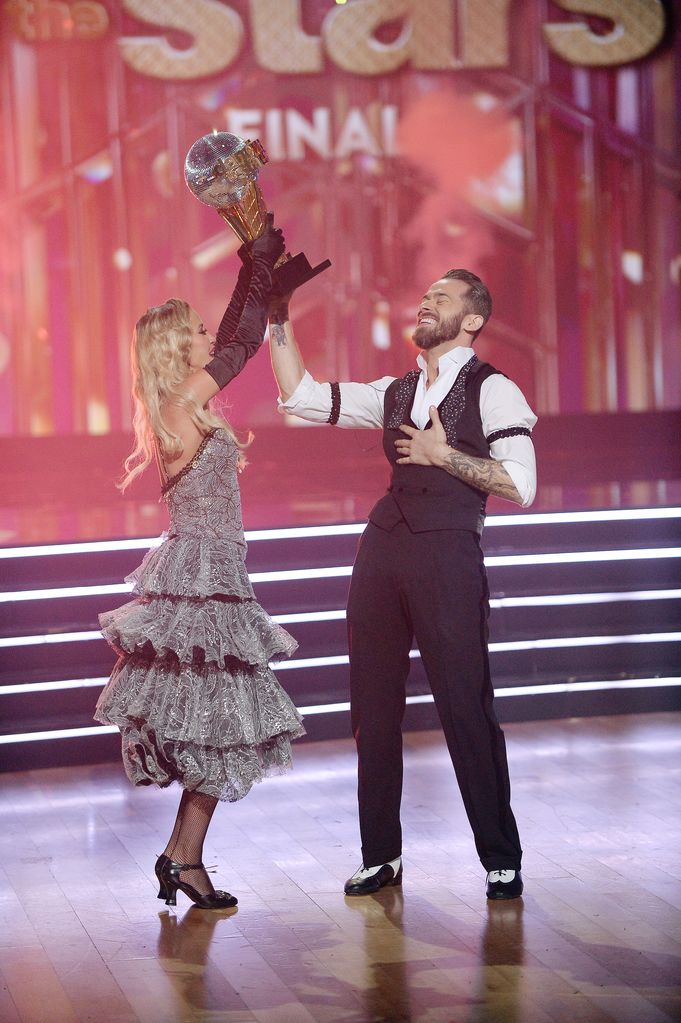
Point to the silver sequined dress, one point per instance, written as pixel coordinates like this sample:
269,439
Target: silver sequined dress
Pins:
192,691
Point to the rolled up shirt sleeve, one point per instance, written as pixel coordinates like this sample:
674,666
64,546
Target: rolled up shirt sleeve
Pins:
361,405
507,422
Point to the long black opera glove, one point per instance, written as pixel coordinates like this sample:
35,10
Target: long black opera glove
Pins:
230,320
242,329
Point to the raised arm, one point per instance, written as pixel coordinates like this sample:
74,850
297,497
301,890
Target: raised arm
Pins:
233,350
287,362
348,405
230,320
236,342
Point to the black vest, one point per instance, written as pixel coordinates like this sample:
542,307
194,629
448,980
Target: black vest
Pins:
424,496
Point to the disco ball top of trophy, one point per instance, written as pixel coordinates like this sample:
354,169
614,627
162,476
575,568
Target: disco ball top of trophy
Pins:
219,168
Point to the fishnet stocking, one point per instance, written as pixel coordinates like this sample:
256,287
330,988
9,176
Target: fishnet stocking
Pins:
186,842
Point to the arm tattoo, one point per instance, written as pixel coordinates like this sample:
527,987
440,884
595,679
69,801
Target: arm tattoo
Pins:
484,473
278,335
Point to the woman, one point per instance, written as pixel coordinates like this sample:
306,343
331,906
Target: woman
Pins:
192,692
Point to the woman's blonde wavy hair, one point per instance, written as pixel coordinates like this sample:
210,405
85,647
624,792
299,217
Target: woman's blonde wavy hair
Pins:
159,356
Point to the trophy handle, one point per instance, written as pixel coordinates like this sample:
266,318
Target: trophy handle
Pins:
257,147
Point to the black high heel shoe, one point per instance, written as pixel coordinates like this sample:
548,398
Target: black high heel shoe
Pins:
168,873
158,870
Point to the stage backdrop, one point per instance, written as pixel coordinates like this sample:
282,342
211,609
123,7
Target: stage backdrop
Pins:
535,143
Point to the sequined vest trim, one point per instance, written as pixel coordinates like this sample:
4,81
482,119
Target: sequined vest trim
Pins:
450,409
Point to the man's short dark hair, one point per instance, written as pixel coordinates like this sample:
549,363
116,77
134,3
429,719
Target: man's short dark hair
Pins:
477,299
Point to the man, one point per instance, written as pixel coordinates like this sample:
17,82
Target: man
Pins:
454,431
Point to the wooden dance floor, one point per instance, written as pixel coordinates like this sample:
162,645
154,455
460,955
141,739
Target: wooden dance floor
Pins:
596,938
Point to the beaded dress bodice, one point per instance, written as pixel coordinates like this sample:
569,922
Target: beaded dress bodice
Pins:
203,498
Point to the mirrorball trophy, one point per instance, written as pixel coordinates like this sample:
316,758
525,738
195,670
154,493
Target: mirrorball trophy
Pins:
222,170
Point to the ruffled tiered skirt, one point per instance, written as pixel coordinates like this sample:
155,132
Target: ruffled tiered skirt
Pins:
192,691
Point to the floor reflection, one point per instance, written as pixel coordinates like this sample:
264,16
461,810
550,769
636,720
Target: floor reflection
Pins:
183,951
498,990
385,996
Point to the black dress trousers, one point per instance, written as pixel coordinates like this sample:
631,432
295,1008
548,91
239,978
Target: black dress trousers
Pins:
430,586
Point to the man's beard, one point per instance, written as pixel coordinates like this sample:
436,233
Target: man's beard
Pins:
430,336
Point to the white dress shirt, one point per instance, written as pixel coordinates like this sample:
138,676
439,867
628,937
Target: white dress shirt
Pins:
502,405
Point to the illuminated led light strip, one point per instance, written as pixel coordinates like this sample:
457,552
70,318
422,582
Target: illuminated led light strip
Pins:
570,557
334,708
302,532
82,547
314,662
51,637
59,733
606,515
294,617
588,687
347,529
565,599
44,687
579,641
291,574
63,592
